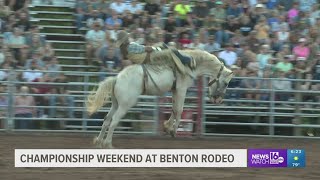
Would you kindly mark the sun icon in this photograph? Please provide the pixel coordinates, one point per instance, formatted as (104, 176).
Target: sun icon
(296, 158)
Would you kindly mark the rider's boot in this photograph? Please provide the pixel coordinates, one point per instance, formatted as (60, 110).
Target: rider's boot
(185, 59)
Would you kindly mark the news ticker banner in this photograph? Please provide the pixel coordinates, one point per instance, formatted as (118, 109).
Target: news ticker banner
(256, 158)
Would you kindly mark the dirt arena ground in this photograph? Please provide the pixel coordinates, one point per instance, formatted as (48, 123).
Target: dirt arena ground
(9, 142)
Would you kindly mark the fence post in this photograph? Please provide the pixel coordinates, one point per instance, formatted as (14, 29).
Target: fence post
(272, 105)
(297, 131)
(156, 124)
(84, 112)
(203, 105)
(11, 91)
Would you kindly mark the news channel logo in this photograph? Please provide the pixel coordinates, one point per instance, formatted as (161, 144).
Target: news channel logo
(276, 158)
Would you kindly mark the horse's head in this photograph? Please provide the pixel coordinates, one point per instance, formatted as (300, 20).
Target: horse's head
(218, 85)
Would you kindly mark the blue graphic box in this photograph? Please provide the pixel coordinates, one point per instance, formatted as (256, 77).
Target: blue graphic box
(296, 158)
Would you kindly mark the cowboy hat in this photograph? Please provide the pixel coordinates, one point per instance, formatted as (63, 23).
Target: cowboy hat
(121, 38)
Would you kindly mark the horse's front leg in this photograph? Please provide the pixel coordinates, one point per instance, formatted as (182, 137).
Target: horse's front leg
(169, 123)
(178, 102)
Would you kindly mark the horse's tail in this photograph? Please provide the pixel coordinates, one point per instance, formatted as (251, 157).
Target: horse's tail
(98, 98)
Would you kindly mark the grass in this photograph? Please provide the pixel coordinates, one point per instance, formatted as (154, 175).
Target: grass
(56, 9)
(67, 46)
(50, 23)
(57, 30)
(53, 16)
(71, 54)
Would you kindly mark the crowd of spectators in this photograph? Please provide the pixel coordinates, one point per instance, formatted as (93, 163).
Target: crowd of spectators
(255, 38)
(23, 48)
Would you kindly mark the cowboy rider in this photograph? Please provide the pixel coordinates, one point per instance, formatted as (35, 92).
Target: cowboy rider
(143, 54)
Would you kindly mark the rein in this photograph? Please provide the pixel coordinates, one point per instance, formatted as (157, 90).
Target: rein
(146, 72)
(218, 76)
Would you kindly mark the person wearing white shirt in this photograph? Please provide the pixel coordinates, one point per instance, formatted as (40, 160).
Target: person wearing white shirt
(32, 73)
(196, 44)
(228, 55)
(118, 6)
(94, 38)
(134, 7)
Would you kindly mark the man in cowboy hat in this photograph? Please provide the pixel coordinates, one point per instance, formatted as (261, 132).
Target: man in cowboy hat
(151, 54)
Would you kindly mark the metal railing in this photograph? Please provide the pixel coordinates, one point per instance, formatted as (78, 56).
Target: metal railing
(293, 117)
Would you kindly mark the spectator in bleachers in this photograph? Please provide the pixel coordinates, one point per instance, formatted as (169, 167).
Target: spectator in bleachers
(234, 9)
(234, 83)
(94, 18)
(293, 13)
(314, 14)
(184, 41)
(228, 55)
(151, 7)
(219, 12)
(66, 100)
(24, 99)
(3, 73)
(118, 6)
(112, 20)
(237, 38)
(53, 65)
(284, 65)
(211, 24)
(252, 85)
(257, 12)
(266, 84)
(10, 61)
(32, 73)
(19, 5)
(34, 30)
(212, 46)
(301, 50)
(265, 57)
(4, 10)
(42, 88)
(181, 10)
(283, 35)
(23, 56)
(200, 11)
(82, 12)
(196, 44)
(23, 22)
(47, 51)
(135, 7)
(306, 5)
(273, 21)
(283, 83)
(223, 35)
(128, 20)
(113, 31)
(104, 8)
(10, 24)
(95, 5)
(36, 43)
(262, 29)
(245, 25)
(16, 41)
(94, 38)
(36, 59)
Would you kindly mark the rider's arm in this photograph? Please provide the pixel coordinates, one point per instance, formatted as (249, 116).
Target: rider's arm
(138, 49)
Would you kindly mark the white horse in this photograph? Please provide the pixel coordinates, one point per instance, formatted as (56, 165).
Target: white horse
(125, 88)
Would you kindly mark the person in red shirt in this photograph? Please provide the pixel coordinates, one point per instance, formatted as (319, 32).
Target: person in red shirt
(42, 88)
(185, 40)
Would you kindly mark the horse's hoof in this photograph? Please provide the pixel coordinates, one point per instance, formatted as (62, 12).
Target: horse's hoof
(96, 141)
(173, 134)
